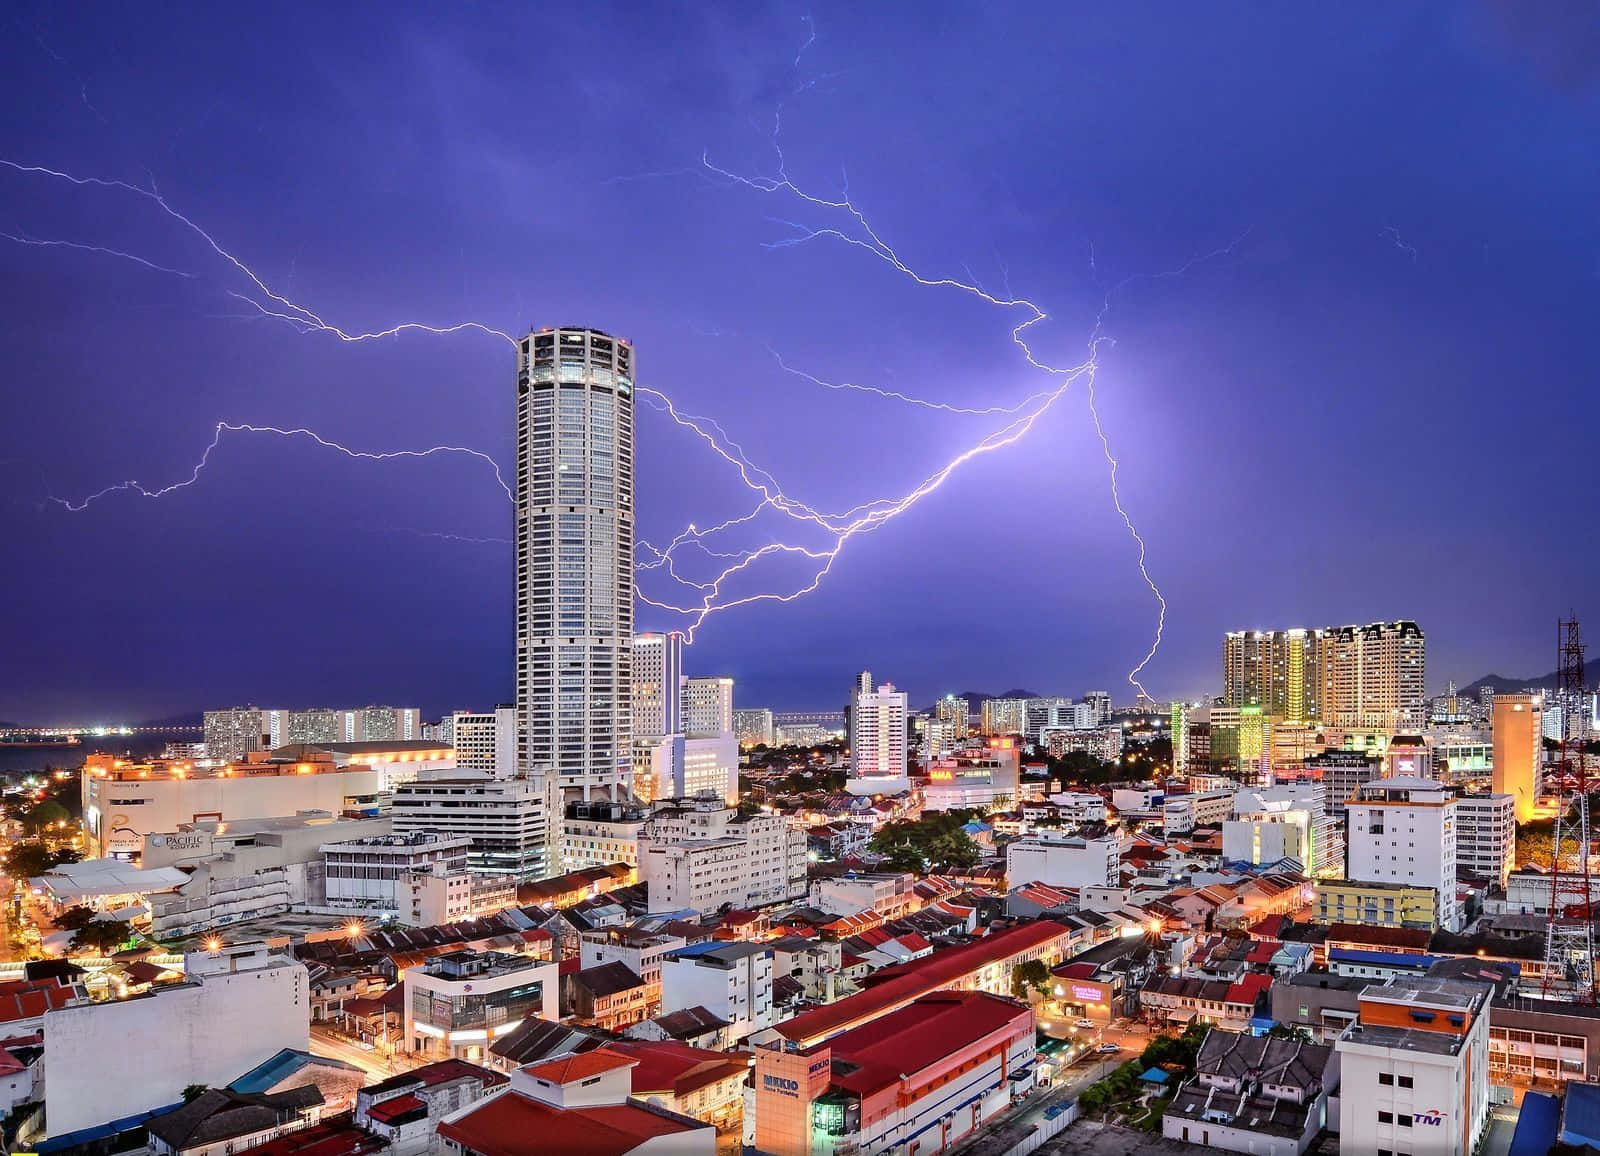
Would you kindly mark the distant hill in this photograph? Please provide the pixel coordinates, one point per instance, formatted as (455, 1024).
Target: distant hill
(1504, 685)
(192, 719)
(976, 698)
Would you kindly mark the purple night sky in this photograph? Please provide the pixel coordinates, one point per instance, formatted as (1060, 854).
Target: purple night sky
(1374, 399)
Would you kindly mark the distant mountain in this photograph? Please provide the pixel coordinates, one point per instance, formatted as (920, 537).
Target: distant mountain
(1504, 685)
(192, 719)
(976, 698)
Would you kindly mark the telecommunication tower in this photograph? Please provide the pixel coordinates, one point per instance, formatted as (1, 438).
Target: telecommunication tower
(1569, 935)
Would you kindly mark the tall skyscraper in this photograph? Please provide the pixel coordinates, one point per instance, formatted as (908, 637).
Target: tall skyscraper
(1100, 702)
(1004, 716)
(878, 742)
(1518, 750)
(486, 741)
(1375, 676)
(575, 561)
(1276, 670)
(657, 685)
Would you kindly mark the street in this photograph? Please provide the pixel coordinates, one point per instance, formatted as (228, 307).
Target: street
(338, 1047)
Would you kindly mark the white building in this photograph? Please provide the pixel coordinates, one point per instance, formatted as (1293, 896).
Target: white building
(1404, 831)
(938, 738)
(124, 802)
(456, 1005)
(1063, 860)
(887, 894)
(1286, 821)
(1036, 715)
(709, 769)
(1414, 1068)
(707, 707)
(878, 742)
(657, 701)
(244, 870)
(1079, 807)
(984, 777)
(233, 733)
(702, 855)
(511, 822)
(599, 834)
(731, 980)
(241, 1005)
(1486, 836)
(382, 875)
(1183, 813)
(1104, 743)
(486, 741)
(575, 565)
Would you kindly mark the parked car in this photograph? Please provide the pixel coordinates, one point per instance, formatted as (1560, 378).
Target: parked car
(1086, 1024)
(1108, 1049)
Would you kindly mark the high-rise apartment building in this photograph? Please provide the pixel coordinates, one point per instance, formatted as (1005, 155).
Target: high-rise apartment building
(1003, 716)
(1486, 836)
(753, 727)
(1276, 670)
(878, 742)
(1518, 750)
(233, 733)
(1036, 716)
(1100, 702)
(1374, 676)
(953, 709)
(707, 707)
(657, 685)
(574, 535)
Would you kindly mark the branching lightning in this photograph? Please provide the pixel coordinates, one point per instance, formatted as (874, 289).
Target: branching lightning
(223, 427)
(723, 586)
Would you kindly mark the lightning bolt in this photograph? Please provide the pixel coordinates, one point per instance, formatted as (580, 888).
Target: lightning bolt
(223, 427)
(839, 527)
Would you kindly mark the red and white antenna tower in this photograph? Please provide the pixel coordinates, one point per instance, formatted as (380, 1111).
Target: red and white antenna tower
(1569, 936)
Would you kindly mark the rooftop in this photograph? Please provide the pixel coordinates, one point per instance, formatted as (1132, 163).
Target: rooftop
(515, 1125)
(568, 1069)
(918, 978)
(895, 1048)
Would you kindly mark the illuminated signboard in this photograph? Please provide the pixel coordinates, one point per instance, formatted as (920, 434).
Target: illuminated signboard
(1085, 994)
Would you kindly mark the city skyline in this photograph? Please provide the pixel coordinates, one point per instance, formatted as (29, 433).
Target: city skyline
(697, 270)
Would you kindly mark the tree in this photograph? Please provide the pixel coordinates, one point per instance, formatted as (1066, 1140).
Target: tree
(45, 814)
(1290, 1032)
(103, 935)
(1032, 974)
(25, 860)
(193, 1092)
(75, 917)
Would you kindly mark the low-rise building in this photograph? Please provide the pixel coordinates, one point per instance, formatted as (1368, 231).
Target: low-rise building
(914, 1080)
(457, 1004)
(609, 996)
(1253, 1094)
(1377, 904)
(732, 980)
(582, 1103)
(704, 856)
(387, 875)
(704, 1085)
(237, 1006)
(1063, 860)
(889, 894)
(641, 950)
(1415, 1068)
(1183, 813)
(406, 1109)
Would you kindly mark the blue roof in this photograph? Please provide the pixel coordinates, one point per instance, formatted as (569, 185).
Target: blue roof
(268, 1075)
(1536, 1126)
(695, 949)
(1580, 1119)
(1155, 1076)
(100, 1131)
(1382, 958)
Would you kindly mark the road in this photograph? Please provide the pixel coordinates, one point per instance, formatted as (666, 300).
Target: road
(338, 1047)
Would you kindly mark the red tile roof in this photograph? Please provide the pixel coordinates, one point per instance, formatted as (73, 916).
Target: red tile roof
(918, 978)
(668, 1066)
(26, 999)
(579, 1067)
(386, 1110)
(512, 1124)
(331, 1138)
(898, 1046)
(1248, 989)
